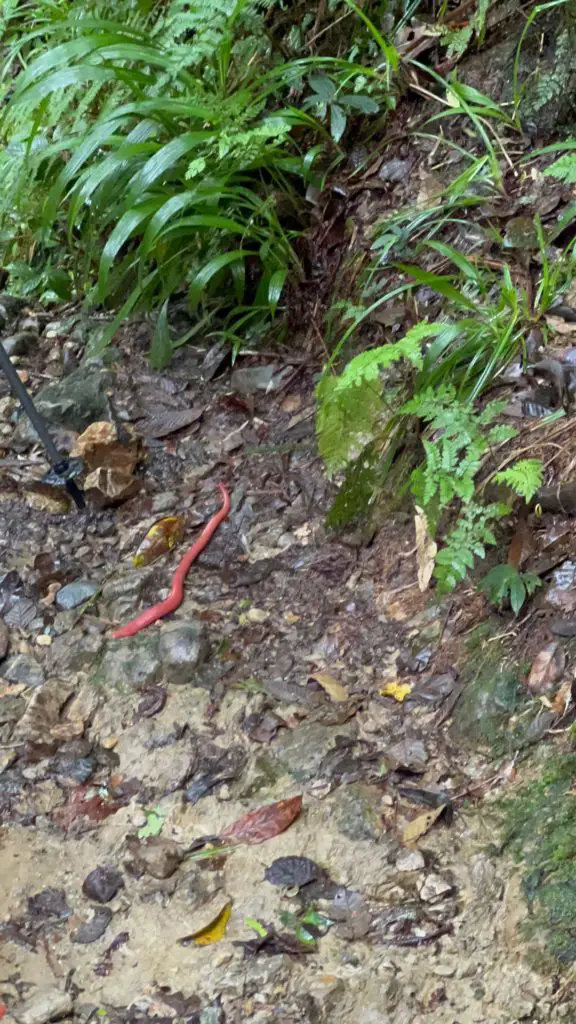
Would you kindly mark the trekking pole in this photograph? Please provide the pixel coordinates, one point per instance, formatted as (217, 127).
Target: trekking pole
(61, 465)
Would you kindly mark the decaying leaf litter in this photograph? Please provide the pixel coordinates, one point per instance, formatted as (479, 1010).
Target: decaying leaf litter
(283, 799)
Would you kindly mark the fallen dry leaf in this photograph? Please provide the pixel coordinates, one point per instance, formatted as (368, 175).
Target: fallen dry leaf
(562, 697)
(265, 822)
(426, 550)
(210, 933)
(419, 826)
(399, 691)
(168, 421)
(335, 690)
(547, 669)
(110, 460)
(161, 537)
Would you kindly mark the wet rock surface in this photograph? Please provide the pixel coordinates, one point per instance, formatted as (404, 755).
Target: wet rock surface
(223, 819)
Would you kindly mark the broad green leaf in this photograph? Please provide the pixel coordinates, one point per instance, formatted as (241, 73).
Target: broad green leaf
(365, 104)
(439, 283)
(164, 160)
(275, 286)
(337, 122)
(213, 267)
(469, 269)
(125, 227)
(161, 347)
(323, 87)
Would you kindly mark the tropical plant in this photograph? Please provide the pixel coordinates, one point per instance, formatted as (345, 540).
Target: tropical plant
(182, 167)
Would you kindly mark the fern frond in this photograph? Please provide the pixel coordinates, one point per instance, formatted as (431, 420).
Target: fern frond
(564, 169)
(524, 477)
(366, 366)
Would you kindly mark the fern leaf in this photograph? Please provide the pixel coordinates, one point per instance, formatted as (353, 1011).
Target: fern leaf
(524, 477)
(564, 169)
(366, 366)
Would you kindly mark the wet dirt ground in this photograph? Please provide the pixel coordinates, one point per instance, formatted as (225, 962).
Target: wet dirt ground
(136, 755)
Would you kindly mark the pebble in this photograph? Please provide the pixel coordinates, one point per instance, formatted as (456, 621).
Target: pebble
(74, 594)
(158, 857)
(444, 970)
(102, 884)
(164, 502)
(90, 931)
(410, 860)
(433, 887)
(23, 669)
(44, 1006)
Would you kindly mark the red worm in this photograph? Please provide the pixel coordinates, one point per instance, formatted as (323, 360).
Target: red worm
(174, 600)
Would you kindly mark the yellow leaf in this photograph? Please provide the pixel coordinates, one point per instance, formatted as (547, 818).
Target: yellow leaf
(335, 690)
(399, 691)
(419, 826)
(161, 537)
(212, 932)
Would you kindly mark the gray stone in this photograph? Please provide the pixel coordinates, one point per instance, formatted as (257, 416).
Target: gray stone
(546, 79)
(4, 639)
(122, 593)
(301, 751)
(74, 594)
(410, 860)
(20, 343)
(21, 668)
(248, 379)
(356, 811)
(410, 754)
(92, 930)
(50, 1004)
(434, 887)
(74, 653)
(131, 663)
(183, 648)
(394, 170)
(73, 402)
(11, 709)
(102, 884)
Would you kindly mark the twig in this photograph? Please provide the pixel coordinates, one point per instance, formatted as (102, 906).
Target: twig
(327, 28)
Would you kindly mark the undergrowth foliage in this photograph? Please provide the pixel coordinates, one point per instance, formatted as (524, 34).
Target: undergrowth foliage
(169, 152)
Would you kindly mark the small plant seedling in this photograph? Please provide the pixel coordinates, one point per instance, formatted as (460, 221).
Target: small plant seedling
(505, 582)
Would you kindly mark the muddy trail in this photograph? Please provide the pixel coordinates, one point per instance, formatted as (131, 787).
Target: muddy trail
(280, 802)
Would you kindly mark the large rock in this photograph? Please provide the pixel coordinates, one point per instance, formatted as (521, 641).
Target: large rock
(73, 653)
(356, 811)
(47, 1005)
(183, 648)
(301, 751)
(122, 594)
(130, 664)
(74, 402)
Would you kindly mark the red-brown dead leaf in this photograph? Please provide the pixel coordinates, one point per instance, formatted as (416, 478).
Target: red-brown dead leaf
(265, 822)
(94, 808)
